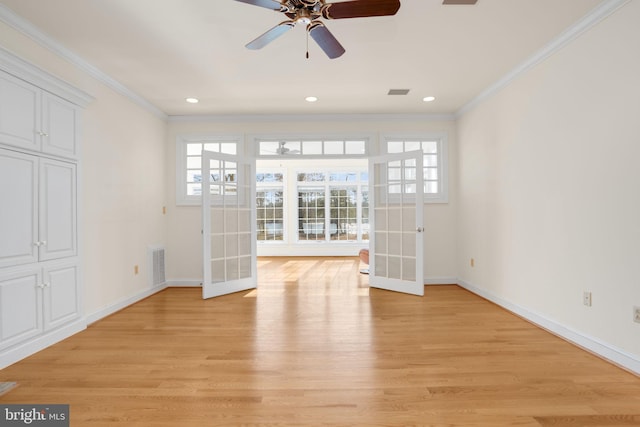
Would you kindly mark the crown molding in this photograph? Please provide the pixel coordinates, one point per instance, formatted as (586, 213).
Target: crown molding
(235, 118)
(605, 9)
(13, 64)
(22, 25)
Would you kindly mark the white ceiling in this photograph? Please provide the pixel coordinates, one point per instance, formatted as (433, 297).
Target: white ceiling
(167, 50)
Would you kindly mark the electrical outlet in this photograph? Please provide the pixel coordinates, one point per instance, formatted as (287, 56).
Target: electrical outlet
(636, 314)
(586, 298)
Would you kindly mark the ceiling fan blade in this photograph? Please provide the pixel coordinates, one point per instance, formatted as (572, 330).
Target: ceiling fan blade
(270, 35)
(327, 42)
(269, 4)
(360, 9)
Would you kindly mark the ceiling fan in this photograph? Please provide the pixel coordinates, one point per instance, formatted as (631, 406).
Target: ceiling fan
(311, 13)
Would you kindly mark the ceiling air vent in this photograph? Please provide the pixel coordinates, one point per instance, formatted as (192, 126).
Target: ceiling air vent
(398, 91)
(459, 1)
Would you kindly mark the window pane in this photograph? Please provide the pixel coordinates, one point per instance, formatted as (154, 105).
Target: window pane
(194, 189)
(194, 149)
(311, 222)
(269, 207)
(269, 148)
(431, 187)
(412, 146)
(395, 147)
(311, 177)
(194, 175)
(312, 147)
(269, 177)
(343, 176)
(430, 147)
(430, 160)
(228, 148)
(355, 147)
(430, 173)
(343, 214)
(194, 162)
(212, 146)
(333, 147)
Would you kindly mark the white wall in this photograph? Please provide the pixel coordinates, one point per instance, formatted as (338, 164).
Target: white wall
(121, 182)
(184, 263)
(549, 203)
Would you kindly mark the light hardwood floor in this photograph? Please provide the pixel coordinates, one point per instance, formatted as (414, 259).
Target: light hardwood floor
(313, 346)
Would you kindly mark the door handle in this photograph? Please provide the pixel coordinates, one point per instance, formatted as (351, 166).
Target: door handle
(420, 229)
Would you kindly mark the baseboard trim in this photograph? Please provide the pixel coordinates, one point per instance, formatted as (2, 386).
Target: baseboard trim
(114, 308)
(21, 351)
(441, 281)
(184, 283)
(593, 345)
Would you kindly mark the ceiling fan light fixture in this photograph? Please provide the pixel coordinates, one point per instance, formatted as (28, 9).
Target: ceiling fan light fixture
(303, 16)
(429, 98)
(311, 98)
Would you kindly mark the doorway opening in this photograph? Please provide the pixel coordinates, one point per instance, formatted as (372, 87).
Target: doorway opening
(312, 207)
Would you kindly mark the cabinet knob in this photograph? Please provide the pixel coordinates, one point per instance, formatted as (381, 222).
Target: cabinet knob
(43, 243)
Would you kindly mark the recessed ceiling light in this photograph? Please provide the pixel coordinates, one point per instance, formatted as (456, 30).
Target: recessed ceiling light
(311, 99)
(192, 100)
(429, 98)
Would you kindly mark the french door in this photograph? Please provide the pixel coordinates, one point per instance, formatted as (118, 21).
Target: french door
(228, 224)
(396, 241)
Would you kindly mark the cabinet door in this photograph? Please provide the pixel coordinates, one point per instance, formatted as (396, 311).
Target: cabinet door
(18, 208)
(19, 112)
(57, 217)
(59, 126)
(20, 305)
(61, 298)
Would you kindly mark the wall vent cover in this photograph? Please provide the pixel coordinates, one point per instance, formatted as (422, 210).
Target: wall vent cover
(156, 265)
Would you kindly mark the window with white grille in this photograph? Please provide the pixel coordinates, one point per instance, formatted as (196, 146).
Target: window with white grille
(435, 157)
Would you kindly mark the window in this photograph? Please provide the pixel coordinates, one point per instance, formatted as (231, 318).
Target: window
(434, 148)
(311, 213)
(356, 147)
(189, 164)
(333, 206)
(270, 205)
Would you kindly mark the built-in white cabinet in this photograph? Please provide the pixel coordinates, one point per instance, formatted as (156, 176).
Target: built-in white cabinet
(40, 280)
(38, 216)
(37, 298)
(34, 119)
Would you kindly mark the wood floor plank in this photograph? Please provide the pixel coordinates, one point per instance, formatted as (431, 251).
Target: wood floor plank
(313, 346)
